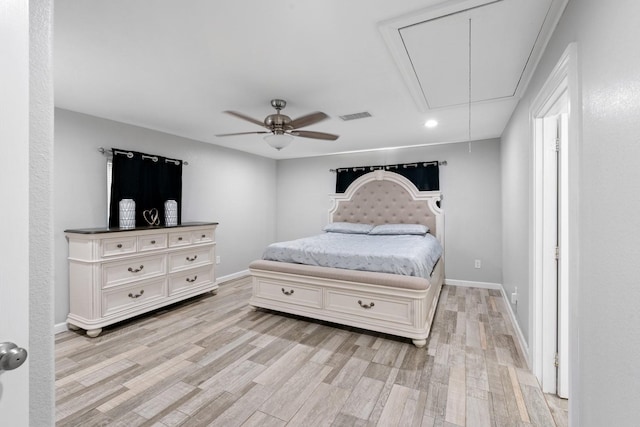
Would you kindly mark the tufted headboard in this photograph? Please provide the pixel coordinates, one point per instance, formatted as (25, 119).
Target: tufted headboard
(383, 197)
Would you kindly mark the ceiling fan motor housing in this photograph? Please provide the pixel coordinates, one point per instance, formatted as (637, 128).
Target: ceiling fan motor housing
(278, 122)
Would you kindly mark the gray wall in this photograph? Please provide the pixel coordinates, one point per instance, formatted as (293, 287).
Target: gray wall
(470, 184)
(605, 368)
(236, 189)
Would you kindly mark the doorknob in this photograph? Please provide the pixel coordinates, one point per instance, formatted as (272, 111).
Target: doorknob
(11, 356)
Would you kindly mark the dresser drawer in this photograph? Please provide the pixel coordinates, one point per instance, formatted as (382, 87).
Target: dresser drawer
(179, 238)
(388, 309)
(202, 236)
(190, 258)
(189, 279)
(116, 273)
(290, 294)
(128, 297)
(119, 246)
(151, 242)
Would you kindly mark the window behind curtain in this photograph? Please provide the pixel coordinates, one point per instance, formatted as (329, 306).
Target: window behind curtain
(424, 175)
(148, 179)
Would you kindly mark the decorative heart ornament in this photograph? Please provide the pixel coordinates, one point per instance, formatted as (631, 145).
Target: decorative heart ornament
(152, 216)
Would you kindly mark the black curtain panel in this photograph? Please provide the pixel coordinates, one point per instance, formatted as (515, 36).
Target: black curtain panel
(424, 175)
(149, 180)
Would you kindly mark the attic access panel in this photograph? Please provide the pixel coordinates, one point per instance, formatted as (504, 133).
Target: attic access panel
(503, 37)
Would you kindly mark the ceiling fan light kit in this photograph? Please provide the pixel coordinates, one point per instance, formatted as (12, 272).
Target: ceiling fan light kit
(278, 140)
(281, 129)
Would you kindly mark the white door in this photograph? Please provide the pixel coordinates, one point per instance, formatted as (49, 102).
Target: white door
(14, 204)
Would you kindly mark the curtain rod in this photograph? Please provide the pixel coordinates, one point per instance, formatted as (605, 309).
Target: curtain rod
(109, 152)
(442, 163)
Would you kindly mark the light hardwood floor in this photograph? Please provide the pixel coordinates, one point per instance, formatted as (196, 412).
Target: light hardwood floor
(214, 361)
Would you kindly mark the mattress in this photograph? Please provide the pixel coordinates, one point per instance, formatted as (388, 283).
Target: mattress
(409, 255)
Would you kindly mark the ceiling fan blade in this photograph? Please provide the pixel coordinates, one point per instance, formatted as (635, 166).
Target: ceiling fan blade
(314, 135)
(308, 120)
(247, 118)
(243, 133)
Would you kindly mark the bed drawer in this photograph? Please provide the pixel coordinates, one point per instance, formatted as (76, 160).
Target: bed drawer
(290, 294)
(388, 309)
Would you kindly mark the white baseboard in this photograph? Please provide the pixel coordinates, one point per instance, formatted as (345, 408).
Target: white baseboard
(512, 315)
(470, 284)
(233, 276)
(59, 328)
(516, 326)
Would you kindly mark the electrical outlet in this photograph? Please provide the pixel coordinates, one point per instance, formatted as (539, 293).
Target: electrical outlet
(478, 264)
(514, 296)
(218, 259)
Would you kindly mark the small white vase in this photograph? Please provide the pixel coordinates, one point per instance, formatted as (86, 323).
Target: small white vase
(171, 213)
(127, 213)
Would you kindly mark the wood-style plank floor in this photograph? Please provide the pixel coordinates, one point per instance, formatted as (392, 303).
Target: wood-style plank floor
(213, 361)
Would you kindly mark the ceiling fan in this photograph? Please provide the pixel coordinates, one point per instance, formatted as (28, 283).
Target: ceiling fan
(281, 128)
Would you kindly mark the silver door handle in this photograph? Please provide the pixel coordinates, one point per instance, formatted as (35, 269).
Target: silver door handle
(11, 356)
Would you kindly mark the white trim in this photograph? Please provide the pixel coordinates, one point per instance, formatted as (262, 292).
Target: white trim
(229, 277)
(472, 284)
(514, 321)
(563, 81)
(59, 328)
(516, 326)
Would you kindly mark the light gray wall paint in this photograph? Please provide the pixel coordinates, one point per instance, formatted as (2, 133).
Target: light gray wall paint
(605, 373)
(470, 184)
(236, 189)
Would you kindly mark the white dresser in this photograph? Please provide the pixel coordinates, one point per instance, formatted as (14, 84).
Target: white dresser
(117, 274)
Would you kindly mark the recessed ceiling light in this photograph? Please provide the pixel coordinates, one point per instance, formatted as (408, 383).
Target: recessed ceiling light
(431, 123)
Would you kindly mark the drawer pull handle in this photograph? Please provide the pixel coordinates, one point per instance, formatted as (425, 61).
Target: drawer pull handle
(366, 306)
(192, 259)
(136, 270)
(192, 280)
(119, 245)
(153, 242)
(287, 292)
(137, 295)
(203, 236)
(179, 238)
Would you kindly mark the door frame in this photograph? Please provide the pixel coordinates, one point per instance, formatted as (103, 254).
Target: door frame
(562, 85)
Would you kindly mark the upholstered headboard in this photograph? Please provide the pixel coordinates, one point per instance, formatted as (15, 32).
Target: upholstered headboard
(383, 197)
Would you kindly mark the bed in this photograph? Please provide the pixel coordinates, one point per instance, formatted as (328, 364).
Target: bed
(397, 304)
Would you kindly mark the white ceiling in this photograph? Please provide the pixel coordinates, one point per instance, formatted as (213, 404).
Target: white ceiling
(175, 66)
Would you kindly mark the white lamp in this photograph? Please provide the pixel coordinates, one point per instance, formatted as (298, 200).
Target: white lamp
(278, 140)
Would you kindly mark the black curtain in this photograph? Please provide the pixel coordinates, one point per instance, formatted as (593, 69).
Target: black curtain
(149, 180)
(424, 175)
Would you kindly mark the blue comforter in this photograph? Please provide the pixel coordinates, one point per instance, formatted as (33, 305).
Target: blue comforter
(410, 255)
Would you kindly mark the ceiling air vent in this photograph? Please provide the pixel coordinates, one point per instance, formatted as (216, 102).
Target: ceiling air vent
(355, 116)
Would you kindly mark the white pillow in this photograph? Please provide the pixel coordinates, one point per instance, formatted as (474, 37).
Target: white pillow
(348, 227)
(399, 229)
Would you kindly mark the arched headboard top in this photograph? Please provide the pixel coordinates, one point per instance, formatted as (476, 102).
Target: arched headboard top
(383, 197)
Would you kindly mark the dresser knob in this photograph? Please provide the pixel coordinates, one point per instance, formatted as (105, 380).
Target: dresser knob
(287, 293)
(192, 280)
(192, 259)
(204, 235)
(179, 238)
(119, 245)
(153, 242)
